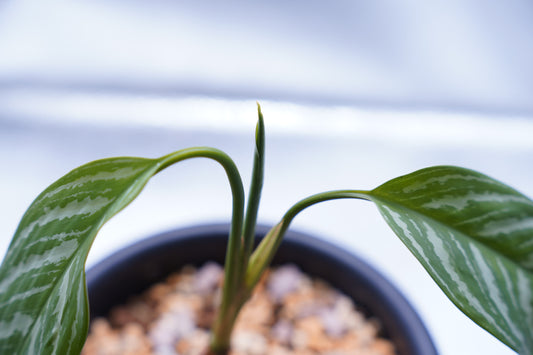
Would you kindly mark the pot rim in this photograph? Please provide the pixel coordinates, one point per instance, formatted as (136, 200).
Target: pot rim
(398, 310)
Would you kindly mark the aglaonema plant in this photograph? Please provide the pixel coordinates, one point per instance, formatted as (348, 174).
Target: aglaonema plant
(473, 234)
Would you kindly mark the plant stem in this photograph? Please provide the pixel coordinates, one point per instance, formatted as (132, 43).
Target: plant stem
(230, 307)
(322, 197)
(223, 326)
(263, 254)
(232, 291)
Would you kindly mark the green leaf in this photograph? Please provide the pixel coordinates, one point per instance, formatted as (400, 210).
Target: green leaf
(43, 307)
(256, 186)
(43, 297)
(474, 235)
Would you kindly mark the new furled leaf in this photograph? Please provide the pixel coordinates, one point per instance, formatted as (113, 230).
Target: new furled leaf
(474, 235)
(43, 298)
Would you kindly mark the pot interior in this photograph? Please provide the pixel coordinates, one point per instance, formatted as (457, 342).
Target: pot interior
(135, 268)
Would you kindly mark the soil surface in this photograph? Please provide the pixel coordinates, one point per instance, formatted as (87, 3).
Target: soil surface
(289, 313)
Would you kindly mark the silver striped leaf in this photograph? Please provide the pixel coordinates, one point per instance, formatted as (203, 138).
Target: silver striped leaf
(43, 299)
(474, 235)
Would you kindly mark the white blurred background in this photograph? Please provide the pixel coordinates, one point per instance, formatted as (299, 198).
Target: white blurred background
(354, 93)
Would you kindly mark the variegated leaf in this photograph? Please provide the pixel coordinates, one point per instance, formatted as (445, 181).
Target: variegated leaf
(43, 298)
(474, 235)
(43, 306)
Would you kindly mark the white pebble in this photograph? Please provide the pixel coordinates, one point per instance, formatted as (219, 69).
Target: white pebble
(284, 280)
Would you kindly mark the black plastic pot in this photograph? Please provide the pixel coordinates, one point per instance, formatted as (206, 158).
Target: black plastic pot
(135, 268)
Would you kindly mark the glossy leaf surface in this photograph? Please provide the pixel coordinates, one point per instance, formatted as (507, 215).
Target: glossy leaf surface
(43, 303)
(474, 235)
(43, 298)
